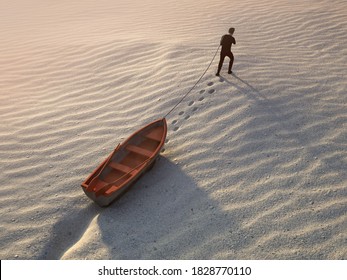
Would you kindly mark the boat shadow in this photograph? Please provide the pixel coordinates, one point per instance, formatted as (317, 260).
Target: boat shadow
(67, 232)
(165, 215)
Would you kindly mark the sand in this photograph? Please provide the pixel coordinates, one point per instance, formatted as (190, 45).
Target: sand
(255, 162)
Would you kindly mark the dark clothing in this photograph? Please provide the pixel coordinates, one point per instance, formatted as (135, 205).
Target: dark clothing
(226, 42)
(221, 60)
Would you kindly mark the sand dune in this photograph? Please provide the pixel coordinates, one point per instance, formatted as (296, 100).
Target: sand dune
(255, 163)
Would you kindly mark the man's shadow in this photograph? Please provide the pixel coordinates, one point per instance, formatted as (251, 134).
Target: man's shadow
(243, 86)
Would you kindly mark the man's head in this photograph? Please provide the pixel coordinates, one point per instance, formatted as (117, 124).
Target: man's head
(231, 30)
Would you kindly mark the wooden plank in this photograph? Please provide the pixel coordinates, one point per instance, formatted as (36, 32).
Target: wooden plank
(155, 135)
(121, 167)
(139, 150)
(99, 185)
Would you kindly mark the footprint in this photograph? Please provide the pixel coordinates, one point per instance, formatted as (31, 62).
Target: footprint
(202, 91)
(210, 84)
(211, 91)
(190, 103)
(195, 108)
(167, 141)
(181, 113)
(187, 117)
(221, 79)
(201, 99)
(176, 128)
(174, 121)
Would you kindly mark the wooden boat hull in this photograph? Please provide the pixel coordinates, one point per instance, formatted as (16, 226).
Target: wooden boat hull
(126, 164)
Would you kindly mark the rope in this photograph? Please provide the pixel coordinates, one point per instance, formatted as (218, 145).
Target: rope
(203, 74)
(107, 186)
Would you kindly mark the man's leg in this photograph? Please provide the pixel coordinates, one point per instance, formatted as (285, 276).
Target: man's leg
(231, 62)
(221, 60)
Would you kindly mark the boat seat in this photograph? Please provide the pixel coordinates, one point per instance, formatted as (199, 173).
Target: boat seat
(140, 151)
(121, 167)
(99, 184)
(155, 135)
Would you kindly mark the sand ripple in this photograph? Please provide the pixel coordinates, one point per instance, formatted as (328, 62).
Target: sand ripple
(255, 162)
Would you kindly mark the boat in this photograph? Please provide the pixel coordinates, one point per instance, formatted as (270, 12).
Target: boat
(128, 161)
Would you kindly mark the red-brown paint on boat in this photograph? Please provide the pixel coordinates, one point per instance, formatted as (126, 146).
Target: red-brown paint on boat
(126, 163)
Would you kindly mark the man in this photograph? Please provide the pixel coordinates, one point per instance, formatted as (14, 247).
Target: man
(226, 42)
